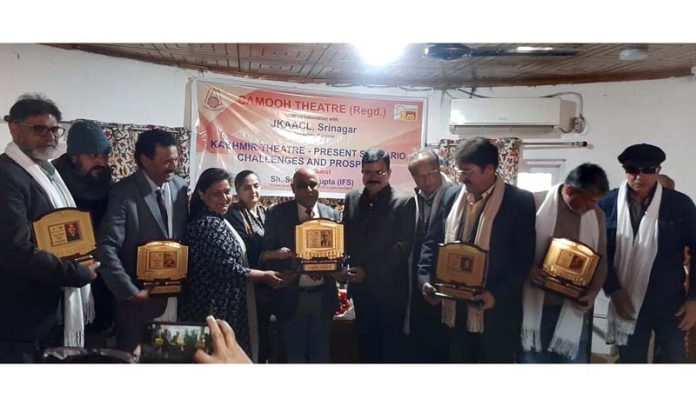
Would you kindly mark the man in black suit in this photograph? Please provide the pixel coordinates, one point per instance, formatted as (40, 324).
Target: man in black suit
(304, 306)
(427, 336)
(499, 218)
(379, 223)
(32, 281)
(151, 204)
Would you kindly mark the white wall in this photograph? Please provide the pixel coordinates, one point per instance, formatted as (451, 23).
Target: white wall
(110, 89)
(659, 112)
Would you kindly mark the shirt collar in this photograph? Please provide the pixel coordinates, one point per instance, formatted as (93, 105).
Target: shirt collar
(315, 209)
(154, 187)
(471, 200)
(427, 197)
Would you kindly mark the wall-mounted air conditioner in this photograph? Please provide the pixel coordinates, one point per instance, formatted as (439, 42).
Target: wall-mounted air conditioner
(499, 117)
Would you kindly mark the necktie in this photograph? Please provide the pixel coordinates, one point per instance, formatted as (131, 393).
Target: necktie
(162, 208)
(310, 213)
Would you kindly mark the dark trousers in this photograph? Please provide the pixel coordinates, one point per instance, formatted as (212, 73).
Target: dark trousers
(97, 331)
(499, 343)
(307, 333)
(263, 318)
(659, 318)
(379, 330)
(12, 351)
(131, 321)
(428, 341)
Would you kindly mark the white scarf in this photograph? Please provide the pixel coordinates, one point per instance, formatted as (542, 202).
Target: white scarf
(633, 260)
(456, 217)
(78, 303)
(566, 336)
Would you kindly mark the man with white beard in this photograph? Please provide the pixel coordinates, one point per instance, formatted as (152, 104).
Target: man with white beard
(32, 281)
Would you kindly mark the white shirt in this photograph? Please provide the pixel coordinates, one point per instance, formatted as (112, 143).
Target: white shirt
(167, 194)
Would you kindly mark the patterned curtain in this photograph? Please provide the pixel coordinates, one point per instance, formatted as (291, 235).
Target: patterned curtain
(123, 138)
(508, 150)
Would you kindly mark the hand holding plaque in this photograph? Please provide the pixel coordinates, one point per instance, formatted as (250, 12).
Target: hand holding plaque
(162, 266)
(569, 267)
(68, 234)
(461, 271)
(319, 246)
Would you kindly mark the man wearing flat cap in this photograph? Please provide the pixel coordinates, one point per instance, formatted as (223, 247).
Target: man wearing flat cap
(647, 229)
(85, 170)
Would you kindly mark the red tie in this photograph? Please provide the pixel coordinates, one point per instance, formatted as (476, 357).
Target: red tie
(310, 213)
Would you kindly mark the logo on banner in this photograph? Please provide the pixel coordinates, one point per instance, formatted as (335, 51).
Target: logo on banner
(213, 100)
(403, 112)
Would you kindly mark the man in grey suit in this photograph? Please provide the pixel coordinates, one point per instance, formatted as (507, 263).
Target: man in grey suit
(151, 204)
(427, 337)
(305, 305)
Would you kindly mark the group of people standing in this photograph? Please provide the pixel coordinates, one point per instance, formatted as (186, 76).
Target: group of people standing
(243, 268)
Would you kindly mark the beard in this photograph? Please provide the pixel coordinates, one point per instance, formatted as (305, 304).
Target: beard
(98, 175)
(41, 153)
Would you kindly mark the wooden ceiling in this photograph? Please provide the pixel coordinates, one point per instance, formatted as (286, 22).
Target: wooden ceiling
(340, 64)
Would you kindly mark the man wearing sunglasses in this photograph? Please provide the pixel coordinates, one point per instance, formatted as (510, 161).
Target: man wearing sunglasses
(33, 282)
(647, 229)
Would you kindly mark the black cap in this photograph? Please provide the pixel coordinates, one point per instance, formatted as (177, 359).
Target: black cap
(641, 155)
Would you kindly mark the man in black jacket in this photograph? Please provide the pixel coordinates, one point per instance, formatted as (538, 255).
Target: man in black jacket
(379, 225)
(85, 170)
(32, 280)
(499, 218)
(647, 229)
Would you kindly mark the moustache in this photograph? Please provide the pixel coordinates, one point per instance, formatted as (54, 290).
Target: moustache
(374, 182)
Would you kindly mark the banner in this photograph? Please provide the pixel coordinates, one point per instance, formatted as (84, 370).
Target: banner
(274, 132)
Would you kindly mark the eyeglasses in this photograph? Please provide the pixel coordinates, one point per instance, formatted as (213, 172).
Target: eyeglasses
(633, 170)
(374, 172)
(42, 130)
(463, 172)
(304, 186)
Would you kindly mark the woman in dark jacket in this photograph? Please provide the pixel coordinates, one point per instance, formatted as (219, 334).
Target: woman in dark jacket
(218, 272)
(248, 217)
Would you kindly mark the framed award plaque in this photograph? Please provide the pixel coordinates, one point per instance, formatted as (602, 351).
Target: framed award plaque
(162, 266)
(66, 233)
(569, 267)
(461, 271)
(319, 246)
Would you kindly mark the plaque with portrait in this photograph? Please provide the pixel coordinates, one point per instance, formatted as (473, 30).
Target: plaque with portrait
(319, 246)
(66, 233)
(569, 267)
(461, 271)
(162, 266)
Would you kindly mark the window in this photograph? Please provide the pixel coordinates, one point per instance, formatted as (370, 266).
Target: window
(540, 174)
